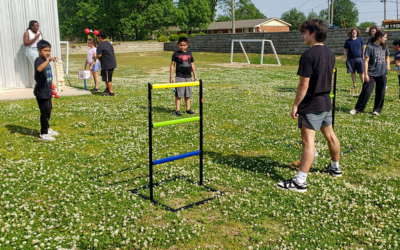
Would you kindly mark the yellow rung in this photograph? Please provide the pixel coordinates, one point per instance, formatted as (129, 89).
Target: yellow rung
(175, 85)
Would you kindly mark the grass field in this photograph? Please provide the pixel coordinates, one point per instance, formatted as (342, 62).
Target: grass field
(73, 193)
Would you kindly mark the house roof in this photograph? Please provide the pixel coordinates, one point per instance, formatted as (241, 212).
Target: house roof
(244, 23)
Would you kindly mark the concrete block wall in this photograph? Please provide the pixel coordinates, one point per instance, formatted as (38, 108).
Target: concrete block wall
(284, 42)
(121, 47)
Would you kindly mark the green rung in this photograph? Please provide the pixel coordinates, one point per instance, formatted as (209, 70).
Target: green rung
(166, 123)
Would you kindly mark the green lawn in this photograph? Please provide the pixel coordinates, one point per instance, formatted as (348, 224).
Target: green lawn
(73, 193)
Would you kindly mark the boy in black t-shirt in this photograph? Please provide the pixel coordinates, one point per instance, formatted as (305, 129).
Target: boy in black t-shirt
(43, 89)
(105, 53)
(183, 60)
(313, 104)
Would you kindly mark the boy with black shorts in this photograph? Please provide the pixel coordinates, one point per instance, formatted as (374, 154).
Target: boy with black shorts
(183, 60)
(43, 89)
(105, 52)
(313, 104)
(354, 54)
(396, 62)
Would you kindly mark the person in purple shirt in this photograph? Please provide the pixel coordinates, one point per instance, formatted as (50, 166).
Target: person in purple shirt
(354, 55)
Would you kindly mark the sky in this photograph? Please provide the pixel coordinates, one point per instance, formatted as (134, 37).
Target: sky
(369, 10)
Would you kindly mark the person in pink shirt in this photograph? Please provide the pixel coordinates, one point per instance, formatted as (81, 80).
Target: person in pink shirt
(94, 66)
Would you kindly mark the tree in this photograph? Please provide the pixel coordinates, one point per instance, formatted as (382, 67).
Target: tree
(365, 25)
(312, 15)
(213, 5)
(244, 10)
(323, 14)
(193, 14)
(345, 10)
(294, 17)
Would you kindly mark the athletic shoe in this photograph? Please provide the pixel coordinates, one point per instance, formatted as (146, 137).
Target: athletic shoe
(112, 94)
(46, 137)
(52, 132)
(94, 90)
(336, 172)
(190, 112)
(375, 113)
(106, 91)
(353, 112)
(292, 184)
(178, 113)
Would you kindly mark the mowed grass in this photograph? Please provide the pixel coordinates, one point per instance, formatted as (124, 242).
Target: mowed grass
(74, 193)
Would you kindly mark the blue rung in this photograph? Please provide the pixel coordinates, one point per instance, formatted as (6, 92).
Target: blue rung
(176, 157)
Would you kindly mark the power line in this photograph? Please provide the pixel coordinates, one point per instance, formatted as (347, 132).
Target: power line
(303, 4)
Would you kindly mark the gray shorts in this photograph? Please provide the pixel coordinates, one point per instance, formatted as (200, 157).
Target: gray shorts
(183, 91)
(316, 121)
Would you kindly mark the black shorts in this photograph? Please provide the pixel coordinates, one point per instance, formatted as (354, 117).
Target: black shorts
(106, 75)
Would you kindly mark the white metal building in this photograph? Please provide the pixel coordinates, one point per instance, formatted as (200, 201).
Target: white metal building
(15, 69)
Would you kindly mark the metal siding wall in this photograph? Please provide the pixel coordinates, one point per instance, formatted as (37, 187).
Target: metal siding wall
(15, 69)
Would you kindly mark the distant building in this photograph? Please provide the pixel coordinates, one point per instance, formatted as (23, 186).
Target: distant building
(244, 26)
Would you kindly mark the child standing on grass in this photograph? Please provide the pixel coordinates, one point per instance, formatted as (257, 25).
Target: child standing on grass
(396, 62)
(183, 61)
(94, 65)
(43, 88)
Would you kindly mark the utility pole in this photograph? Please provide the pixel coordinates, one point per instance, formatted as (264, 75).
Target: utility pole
(397, 9)
(332, 11)
(233, 16)
(329, 11)
(384, 9)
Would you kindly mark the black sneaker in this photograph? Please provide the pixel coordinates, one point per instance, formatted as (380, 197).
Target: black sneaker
(178, 113)
(106, 91)
(112, 94)
(190, 112)
(94, 90)
(106, 94)
(292, 184)
(336, 172)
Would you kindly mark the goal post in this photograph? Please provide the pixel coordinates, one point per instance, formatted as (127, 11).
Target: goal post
(240, 41)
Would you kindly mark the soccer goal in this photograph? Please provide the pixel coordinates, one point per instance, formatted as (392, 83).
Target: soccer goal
(241, 41)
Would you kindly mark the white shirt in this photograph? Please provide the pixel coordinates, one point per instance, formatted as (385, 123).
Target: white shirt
(32, 36)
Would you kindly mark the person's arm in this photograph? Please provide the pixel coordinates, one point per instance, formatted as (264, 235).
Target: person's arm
(300, 94)
(46, 63)
(93, 62)
(345, 53)
(366, 76)
(194, 71)
(28, 42)
(171, 71)
(86, 63)
(388, 62)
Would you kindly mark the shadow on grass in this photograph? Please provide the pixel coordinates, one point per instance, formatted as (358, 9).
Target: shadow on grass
(14, 129)
(261, 164)
(286, 89)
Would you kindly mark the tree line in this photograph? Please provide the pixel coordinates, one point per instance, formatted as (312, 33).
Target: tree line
(126, 20)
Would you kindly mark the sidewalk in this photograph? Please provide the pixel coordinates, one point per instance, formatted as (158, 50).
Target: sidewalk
(27, 93)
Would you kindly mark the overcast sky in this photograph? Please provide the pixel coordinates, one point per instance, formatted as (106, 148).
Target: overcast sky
(369, 10)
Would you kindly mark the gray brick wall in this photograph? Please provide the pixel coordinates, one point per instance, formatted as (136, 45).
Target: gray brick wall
(123, 47)
(284, 42)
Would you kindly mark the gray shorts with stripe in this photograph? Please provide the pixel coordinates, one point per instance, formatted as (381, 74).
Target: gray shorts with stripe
(183, 91)
(315, 121)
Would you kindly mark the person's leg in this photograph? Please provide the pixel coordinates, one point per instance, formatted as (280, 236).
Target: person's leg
(44, 122)
(333, 142)
(177, 104)
(354, 79)
(49, 108)
(308, 154)
(365, 94)
(398, 76)
(110, 87)
(380, 90)
(96, 79)
(361, 78)
(187, 101)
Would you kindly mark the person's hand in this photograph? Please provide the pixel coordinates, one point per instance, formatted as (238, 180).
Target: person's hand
(366, 78)
(294, 114)
(195, 78)
(38, 35)
(388, 67)
(90, 68)
(53, 59)
(171, 80)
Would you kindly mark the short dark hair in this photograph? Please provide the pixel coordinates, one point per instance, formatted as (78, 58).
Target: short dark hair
(102, 34)
(350, 34)
(396, 42)
(43, 44)
(373, 27)
(31, 23)
(315, 25)
(182, 39)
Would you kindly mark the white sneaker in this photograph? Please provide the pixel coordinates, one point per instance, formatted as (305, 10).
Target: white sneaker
(46, 137)
(375, 113)
(353, 112)
(52, 132)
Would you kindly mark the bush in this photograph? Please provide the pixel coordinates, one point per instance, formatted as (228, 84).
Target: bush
(163, 39)
(173, 37)
(182, 35)
(202, 33)
(192, 35)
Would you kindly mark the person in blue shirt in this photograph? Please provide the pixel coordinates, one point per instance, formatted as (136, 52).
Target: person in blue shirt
(354, 55)
(396, 61)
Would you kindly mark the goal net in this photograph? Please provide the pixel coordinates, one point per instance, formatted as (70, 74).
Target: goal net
(262, 41)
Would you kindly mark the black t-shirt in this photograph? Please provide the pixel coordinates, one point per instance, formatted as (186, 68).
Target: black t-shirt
(107, 59)
(183, 61)
(44, 80)
(317, 63)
